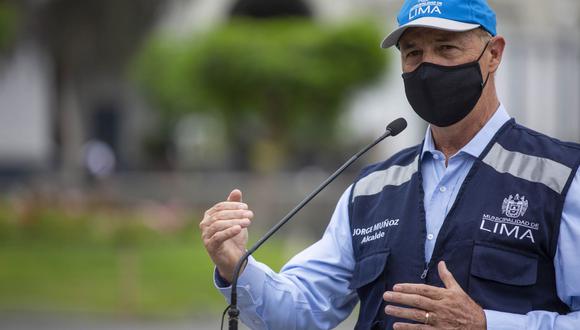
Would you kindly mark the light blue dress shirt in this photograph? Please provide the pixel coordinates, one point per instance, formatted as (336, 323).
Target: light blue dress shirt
(311, 291)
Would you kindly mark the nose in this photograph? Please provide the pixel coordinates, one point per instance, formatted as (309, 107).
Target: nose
(428, 56)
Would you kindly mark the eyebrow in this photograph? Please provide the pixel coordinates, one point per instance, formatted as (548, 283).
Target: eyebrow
(445, 39)
(407, 44)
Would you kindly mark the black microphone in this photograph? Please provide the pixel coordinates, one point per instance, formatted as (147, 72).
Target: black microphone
(394, 128)
(397, 126)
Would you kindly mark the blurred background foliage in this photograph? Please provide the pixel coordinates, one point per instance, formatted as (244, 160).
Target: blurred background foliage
(278, 85)
(99, 258)
(9, 17)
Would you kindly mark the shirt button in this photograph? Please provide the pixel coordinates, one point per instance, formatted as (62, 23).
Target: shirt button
(430, 236)
(443, 189)
(256, 321)
(436, 156)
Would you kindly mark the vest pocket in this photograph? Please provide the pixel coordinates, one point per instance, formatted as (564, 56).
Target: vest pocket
(501, 279)
(368, 268)
(370, 283)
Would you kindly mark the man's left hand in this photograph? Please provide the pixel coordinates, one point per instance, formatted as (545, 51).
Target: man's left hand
(436, 308)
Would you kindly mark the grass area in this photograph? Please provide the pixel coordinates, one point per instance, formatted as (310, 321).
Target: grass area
(161, 280)
(60, 264)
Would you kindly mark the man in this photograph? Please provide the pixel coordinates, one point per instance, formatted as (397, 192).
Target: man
(475, 228)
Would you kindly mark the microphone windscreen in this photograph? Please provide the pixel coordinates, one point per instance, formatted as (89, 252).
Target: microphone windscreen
(397, 126)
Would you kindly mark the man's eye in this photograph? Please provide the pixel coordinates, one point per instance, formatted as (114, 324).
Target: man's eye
(448, 47)
(413, 53)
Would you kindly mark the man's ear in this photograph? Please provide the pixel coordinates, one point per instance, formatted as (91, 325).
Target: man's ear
(496, 48)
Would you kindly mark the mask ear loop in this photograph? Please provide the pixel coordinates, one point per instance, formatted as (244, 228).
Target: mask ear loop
(483, 84)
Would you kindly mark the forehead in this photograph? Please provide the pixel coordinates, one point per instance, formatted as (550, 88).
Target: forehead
(416, 35)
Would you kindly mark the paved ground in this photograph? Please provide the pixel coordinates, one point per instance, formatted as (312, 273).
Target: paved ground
(27, 321)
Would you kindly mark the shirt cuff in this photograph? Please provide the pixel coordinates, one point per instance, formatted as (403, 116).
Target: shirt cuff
(219, 281)
(504, 321)
(250, 283)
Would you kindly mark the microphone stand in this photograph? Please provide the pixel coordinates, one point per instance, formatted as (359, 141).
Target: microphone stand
(233, 313)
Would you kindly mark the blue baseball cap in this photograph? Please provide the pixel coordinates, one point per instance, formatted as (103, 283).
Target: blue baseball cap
(450, 15)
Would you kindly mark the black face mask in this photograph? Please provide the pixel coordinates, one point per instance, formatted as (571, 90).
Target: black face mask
(444, 95)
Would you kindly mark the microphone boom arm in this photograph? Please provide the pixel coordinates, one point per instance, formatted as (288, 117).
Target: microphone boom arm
(233, 313)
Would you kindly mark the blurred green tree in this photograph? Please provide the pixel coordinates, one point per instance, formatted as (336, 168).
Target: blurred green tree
(277, 84)
(9, 15)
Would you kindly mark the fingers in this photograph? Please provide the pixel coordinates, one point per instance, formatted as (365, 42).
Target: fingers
(412, 300)
(220, 220)
(234, 202)
(223, 225)
(446, 276)
(408, 326)
(231, 214)
(220, 237)
(406, 313)
(235, 214)
(225, 220)
(235, 196)
(424, 290)
(222, 206)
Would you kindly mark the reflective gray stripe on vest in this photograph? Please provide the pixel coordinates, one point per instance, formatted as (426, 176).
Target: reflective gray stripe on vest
(393, 176)
(531, 168)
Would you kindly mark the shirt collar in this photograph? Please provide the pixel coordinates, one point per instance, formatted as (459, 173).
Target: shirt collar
(479, 141)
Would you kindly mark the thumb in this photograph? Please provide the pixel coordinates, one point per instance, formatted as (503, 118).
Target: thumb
(446, 276)
(235, 196)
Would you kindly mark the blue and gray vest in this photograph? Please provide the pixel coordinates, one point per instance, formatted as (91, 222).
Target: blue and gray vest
(498, 239)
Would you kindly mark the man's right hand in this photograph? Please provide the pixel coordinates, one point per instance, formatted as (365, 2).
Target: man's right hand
(225, 234)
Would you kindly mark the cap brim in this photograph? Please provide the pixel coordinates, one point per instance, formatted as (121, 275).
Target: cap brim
(428, 22)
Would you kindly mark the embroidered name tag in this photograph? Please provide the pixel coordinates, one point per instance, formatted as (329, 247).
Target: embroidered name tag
(375, 231)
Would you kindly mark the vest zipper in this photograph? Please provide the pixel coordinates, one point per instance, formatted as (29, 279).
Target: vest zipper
(424, 274)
